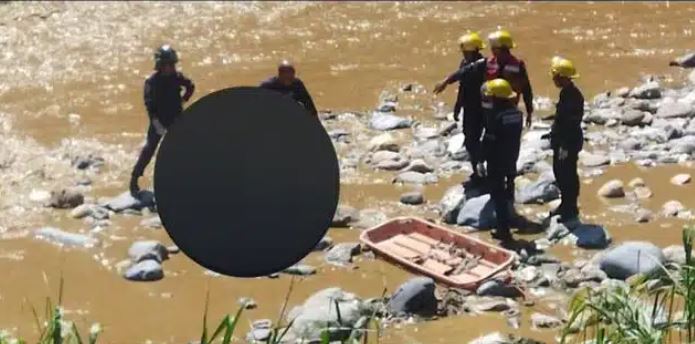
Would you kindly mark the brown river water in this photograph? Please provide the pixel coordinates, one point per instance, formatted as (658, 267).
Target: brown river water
(90, 59)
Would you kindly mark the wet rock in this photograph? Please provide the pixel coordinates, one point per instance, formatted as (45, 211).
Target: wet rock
(643, 215)
(341, 254)
(591, 236)
(300, 270)
(675, 254)
(594, 160)
(412, 198)
(612, 189)
(643, 192)
(325, 243)
(125, 201)
(498, 289)
(631, 258)
(542, 321)
(418, 165)
(343, 216)
(66, 199)
(320, 312)
(493, 305)
(145, 271)
(685, 61)
(384, 121)
(247, 303)
(648, 90)
(369, 218)
(383, 142)
(416, 178)
(637, 182)
(451, 203)
(416, 296)
(632, 117)
(478, 212)
(63, 238)
(148, 250)
(681, 179)
(81, 211)
(541, 191)
(675, 110)
(672, 208)
(387, 106)
(85, 162)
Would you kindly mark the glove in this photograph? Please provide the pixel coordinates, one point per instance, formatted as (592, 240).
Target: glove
(158, 127)
(562, 153)
(480, 170)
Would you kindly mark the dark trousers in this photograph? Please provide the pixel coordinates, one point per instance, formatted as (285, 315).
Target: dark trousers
(472, 131)
(147, 152)
(565, 171)
(501, 173)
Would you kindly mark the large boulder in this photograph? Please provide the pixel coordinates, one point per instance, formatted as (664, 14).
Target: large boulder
(631, 258)
(541, 191)
(320, 312)
(478, 212)
(451, 203)
(385, 121)
(416, 296)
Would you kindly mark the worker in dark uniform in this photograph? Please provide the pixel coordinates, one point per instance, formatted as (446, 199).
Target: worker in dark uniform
(501, 65)
(164, 104)
(501, 143)
(288, 84)
(566, 137)
(469, 99)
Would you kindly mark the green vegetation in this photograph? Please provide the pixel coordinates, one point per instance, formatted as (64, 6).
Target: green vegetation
(652, 309)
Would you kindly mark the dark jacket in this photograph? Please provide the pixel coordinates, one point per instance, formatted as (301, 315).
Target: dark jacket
(469, 97)
(502, 139)
(296, 90)
(163, 98)
(566, 130)
(479, 69)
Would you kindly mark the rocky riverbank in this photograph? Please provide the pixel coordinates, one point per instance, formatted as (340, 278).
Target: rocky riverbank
(648, 125)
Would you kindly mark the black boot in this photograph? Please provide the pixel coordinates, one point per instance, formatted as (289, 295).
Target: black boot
(502, 235)
(134, 188)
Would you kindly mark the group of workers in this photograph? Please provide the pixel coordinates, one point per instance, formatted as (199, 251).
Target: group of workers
(489, 92)
(490, 89)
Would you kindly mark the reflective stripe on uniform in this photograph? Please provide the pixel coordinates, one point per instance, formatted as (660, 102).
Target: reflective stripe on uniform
(512, 68)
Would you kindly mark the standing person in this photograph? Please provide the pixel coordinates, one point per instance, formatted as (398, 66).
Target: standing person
(507, 66)
(566, 137)
(501, 143)
(164, 104)
(469, 98)
(288, 84)
(502, 65)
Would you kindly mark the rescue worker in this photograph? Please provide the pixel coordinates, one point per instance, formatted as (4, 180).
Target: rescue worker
(288, 84)
(164, 104)
(501, 143)
(469, 99)
(566, 137)
(501, 65)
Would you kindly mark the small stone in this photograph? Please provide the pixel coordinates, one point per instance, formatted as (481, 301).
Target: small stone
(681, 179)
(412, 198)
(300, 270)
(324, 243)
(152, 222)
(81, 211)
(637, 182)
(595, 160)
(148, 250)
(672, 208)
(493, 305)
(675, 254)
(146, 270)
(418, 165)
(342, 253)
(542, 321)
(415, 296)
(643, 215)
(247, 303)
(344, 215)
(66, 199)
(648, 90)
(416, 178)
(612, 189)
(632, 117)
(643, 192)
(497, 288)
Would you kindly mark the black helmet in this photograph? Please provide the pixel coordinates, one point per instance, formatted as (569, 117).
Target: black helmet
(166, 54)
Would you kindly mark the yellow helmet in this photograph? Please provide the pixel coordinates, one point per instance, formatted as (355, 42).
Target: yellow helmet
(471, 42)
(501, 39)
(498, 88)
(563, 67)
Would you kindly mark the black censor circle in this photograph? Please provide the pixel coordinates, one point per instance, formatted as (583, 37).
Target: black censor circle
(246, 182)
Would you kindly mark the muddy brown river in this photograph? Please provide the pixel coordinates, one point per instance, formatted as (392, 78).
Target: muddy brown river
(76, 70)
